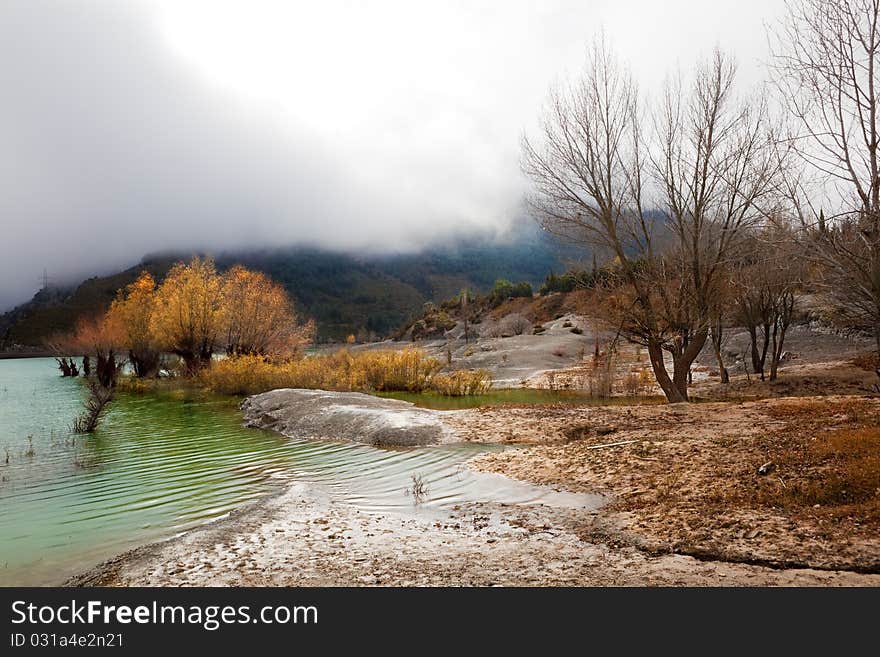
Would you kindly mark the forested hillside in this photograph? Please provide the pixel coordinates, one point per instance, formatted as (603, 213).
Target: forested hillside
(344, 293)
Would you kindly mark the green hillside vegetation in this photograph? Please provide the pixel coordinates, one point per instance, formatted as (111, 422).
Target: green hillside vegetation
(54, 310)
(369, 296)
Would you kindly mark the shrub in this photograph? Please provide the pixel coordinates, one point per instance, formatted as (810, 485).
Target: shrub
(514, 324)
(408, 370)
(96, 405)
(636, 382)
(575, 279)
(462, 382)
(504, 290)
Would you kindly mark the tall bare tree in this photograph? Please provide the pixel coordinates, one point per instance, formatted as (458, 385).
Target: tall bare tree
(826, 63)
(594, 170)
(765, 284)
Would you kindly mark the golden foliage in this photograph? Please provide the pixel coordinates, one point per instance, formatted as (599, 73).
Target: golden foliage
(97, 336)
(132, 310)
(381, 371)
(259, 317)
(462, 382)
(189, 311)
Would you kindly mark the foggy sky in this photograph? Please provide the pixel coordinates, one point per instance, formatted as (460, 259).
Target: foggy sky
(131, 127)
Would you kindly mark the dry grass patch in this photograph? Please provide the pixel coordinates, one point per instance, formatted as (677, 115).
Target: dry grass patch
(690, 482)
(408, 370)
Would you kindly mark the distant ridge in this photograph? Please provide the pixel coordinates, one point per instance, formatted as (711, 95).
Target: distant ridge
(344, 293)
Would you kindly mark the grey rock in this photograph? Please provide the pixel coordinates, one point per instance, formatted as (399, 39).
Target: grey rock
(354, 416)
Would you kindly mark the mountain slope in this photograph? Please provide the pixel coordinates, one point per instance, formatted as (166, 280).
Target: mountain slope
(342, 292)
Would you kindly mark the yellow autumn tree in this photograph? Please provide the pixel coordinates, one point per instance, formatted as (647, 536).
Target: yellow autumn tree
(259, 316)
(188, 312)
(132, 311)
(101, 337)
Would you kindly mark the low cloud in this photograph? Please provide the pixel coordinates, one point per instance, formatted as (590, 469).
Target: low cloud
(135, 127)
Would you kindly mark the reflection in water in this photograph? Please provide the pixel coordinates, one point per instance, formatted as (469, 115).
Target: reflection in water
(160, 465)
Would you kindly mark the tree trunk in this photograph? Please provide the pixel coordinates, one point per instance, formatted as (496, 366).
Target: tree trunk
(759, 357)
(682, 362)
(190, 360)
(778, 343)
(672, 392)
(717, 334)
(145, 362)
(106, 369)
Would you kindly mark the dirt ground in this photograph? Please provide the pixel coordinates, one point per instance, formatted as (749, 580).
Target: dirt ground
(688, 478)
(301, 539)
(723, 493)
(754, 484)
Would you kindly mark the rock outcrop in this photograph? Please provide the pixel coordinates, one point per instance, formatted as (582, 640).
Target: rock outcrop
(353, 416)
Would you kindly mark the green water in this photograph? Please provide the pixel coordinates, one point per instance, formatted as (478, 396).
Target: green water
(511, 396)
(159, 465)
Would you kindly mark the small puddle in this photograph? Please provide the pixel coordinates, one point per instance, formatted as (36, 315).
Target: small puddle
(381, 480)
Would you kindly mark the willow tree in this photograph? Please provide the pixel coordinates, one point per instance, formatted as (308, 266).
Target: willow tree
(827, 67)
(188, 312)
(668, 210)
(259, 318)
(102, 337)
(132, 311)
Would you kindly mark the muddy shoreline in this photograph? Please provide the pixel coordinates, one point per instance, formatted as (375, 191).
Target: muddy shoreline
(653, 531)
(300, 538)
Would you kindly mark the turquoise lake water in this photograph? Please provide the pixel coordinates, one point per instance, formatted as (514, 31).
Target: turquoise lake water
(162, 464)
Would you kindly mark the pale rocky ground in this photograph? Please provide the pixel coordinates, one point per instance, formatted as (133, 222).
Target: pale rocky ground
(361, 418)
(560, 359)
(512, 361)
(300, 538)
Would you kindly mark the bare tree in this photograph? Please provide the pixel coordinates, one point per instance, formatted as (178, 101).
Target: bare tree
(711, 166)
(765, 284)
(719, 316)
(826, 59)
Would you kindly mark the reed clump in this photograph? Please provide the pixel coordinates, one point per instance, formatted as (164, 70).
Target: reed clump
(462, 383)
(408, 370)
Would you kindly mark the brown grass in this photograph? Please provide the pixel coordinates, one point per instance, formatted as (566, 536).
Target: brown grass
(869, 362)
(408, 370)
(835, 473)
(826, 461)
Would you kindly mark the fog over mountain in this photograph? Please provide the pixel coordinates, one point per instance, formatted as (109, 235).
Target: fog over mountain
(135, 127)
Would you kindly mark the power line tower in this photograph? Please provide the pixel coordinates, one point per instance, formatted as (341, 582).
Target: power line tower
(45, 278)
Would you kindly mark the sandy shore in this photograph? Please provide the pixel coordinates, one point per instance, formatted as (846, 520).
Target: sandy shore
(303, 538)
(676, 514)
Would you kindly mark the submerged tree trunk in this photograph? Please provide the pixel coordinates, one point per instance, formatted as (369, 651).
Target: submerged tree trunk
(68, 367)
(107, 369)
(144, 362)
